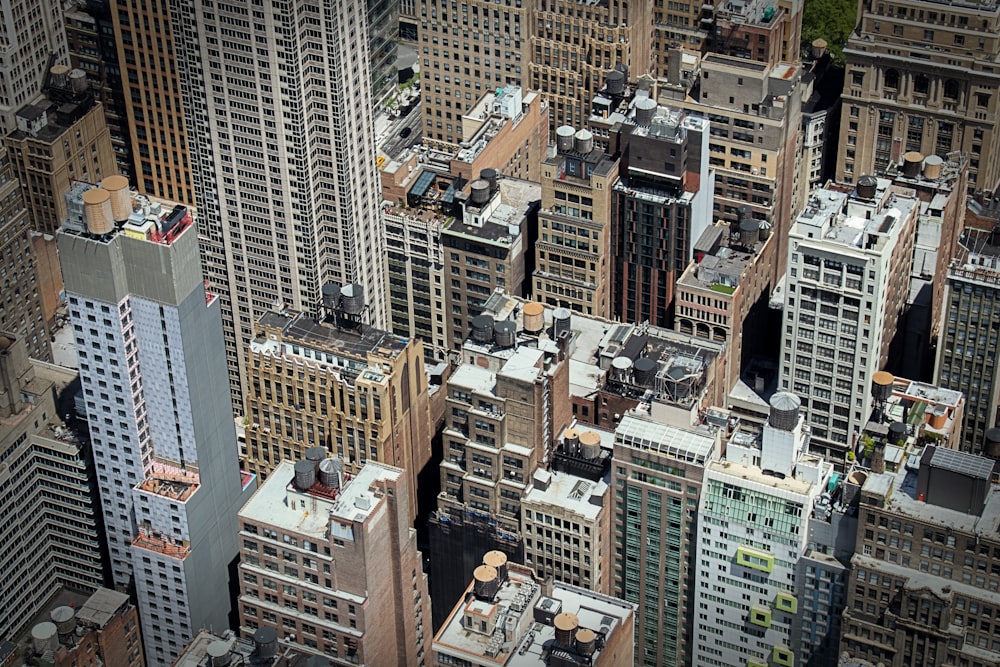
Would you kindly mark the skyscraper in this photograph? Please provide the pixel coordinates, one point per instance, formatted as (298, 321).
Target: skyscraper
(659, 470)
(752, 530)
(561, 48)
(44, 476)
(146, 67)
(152, 368)
(278, 112)
(34, 40)
(966, 351)
(845, 291)
(660, 205)
(920, 77)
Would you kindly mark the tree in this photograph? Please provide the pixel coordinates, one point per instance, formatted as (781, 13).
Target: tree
(832, 20)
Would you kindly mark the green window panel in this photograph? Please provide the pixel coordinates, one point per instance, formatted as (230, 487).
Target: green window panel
(755, 663)
(760, 616)
(786, 602)
(782, 655)
(757, 560)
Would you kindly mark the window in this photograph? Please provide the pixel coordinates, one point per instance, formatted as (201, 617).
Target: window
(857, 78)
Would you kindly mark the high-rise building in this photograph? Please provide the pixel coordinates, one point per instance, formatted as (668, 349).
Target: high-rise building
(572, 253)
(658, 475)
(151, 358)
(280, 127)
(755, 111)
(486, 247)
(752, 531)
(566, 512)
(383, 28)
(920, 77)
(22, 307)
(147, 68)
(93, 48)
(560, 48)
(507, 617)
(965, 358)
(60, 138)
(939, 185)
(330, 561)
(45, 476)
(660, 205)
(723, 294)
(360, 394)
(845, 291)
(34, 40)
(423, 190)
(926, 573)
(103, 630)
(503, 410)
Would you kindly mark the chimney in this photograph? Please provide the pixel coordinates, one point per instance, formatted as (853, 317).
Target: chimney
(878, 458)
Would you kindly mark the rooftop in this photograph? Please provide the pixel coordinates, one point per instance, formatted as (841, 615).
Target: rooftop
(101, 607)
(662, 366)
(323, 339)
(144, 218)
(279, 503)
(568, 491)
(722, 266)
(900, 491)
(207, 645)
(675, 443)
(848, 219)
(754, 474)
(519, 622)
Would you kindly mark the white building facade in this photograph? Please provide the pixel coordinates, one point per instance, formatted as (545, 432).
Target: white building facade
(152, 369)
(33, 32)
(846, 285)
(753, 528)
(279, 111)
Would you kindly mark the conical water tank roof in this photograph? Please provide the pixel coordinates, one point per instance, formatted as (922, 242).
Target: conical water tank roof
(784, 413)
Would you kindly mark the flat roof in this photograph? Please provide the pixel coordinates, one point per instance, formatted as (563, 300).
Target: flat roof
(101, 607)
(900, 491)
(278, 503)
(469, 376)
(754, 474)
(302, 329)
(513, 608)
(569, 492)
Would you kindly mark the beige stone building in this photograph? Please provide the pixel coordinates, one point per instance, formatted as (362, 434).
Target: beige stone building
(566, 512)
(26, 294)
(361, 394)
(61, 138)
(755, 112)
(572, 253)
(560, 49)
(921, 77)
(329, 563)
